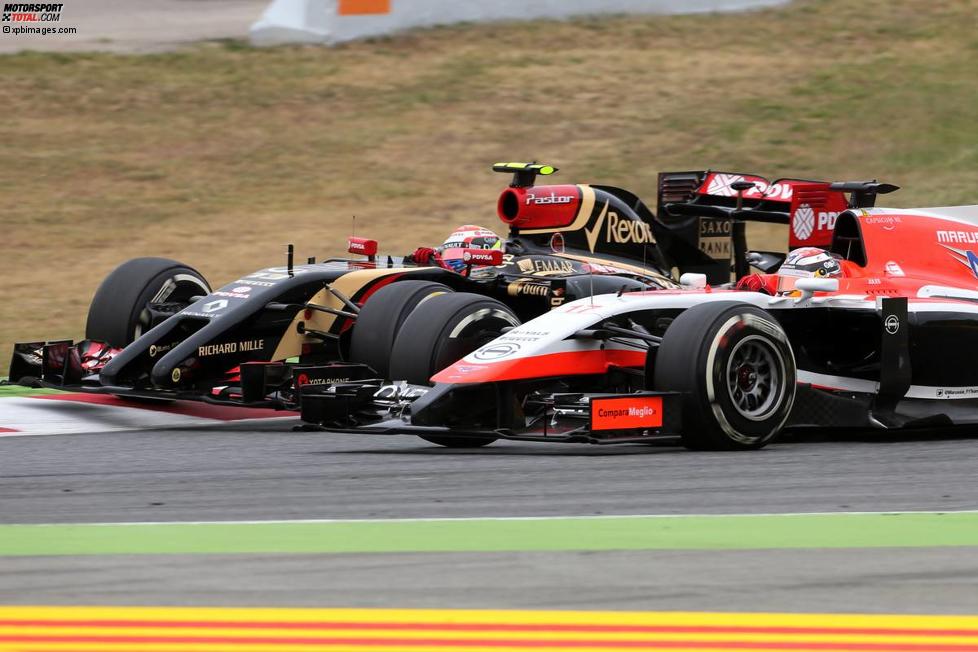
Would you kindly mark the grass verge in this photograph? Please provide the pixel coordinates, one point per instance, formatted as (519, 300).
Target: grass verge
(737, 532)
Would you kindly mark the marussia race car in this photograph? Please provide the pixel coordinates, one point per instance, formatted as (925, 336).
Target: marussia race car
(879, 332)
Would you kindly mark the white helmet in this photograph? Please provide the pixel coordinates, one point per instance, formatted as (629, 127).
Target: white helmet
(811, 262)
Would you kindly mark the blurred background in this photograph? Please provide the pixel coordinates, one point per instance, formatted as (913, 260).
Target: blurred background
(177, 138)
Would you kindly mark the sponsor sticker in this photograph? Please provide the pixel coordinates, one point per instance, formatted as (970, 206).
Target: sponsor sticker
(557, 297)
(552, 198)
(229, 295)
(214, 306)
(227, 348)
(626, 412)
(966, 257)
(716, 238)
(885, 220)
(803, 222)
(957, 392)
(893, 269)
(496, 351)
(274, 274)
(721, 185)
(517, 335)
(155, 350)
(304, 380)
(362, 246)
(827, 220)
(400, 391)
(256, 283)
(545, 266)
(892, 324)
(960, 237)
(482, 257)
(526, 288)
(618, 230)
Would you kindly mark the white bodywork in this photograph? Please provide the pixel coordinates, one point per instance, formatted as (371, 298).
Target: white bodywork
(529, 344)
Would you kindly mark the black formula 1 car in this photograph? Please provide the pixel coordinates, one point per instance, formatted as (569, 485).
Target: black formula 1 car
(876, 330)
(156, 329)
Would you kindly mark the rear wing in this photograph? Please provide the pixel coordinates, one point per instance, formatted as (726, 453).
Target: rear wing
(707, 211)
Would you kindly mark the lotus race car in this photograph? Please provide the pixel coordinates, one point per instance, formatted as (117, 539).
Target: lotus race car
(156, 329)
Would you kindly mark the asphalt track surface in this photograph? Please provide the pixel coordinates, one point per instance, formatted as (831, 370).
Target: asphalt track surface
(235, 472)
(238, 472)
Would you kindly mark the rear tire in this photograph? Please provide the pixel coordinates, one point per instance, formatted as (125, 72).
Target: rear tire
(736, 369)
(118, 313)
(381, 318)
(446, 329)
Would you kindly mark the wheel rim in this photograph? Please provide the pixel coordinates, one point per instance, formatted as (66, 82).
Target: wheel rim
(755, 378)
(179, 288)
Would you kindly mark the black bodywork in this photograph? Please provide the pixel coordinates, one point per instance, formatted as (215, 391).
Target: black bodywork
(204, 345)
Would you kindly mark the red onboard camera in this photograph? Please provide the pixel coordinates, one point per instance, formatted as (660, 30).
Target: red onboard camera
(362, 246)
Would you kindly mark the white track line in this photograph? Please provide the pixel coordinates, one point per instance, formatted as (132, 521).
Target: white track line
(32, 417)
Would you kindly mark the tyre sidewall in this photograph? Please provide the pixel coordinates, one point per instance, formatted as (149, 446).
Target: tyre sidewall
(444, 330)
(731, 329)
(458, 339)
(117, 305)
(382, 317)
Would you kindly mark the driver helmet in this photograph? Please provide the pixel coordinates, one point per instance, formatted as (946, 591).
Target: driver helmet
(811, 262)
(465, 237)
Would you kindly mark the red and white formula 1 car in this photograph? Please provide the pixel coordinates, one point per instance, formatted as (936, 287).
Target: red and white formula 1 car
(877, 329)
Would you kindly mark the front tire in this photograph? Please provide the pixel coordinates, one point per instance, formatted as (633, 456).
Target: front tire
(381, 319)
(447, 328)
(119, 313)
(736, 370)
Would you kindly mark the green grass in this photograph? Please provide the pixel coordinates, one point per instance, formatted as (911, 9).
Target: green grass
(15, 391)
(220, 154)
(914, 529)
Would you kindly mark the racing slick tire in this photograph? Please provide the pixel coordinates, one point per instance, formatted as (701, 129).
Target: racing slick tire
(118, 314)
(381, 318)
(448, 328)
(735, 367)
